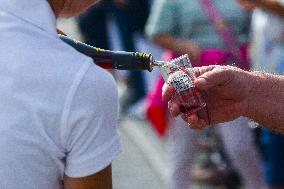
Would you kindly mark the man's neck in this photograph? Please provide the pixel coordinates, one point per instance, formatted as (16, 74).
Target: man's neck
(56, 6)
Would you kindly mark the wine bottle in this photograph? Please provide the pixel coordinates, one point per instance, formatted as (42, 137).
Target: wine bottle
(114, 59)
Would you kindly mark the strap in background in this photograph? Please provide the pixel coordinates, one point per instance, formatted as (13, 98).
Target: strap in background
(223, 30)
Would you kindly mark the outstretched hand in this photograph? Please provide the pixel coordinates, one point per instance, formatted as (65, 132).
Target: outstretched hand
(225, 90)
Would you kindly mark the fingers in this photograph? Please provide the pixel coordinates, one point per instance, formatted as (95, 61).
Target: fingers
(194, 121)
(173, 108)
(167, 92)
(212, 77)
(201, 70)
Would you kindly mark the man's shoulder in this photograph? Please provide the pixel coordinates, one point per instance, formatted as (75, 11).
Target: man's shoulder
(91, 79)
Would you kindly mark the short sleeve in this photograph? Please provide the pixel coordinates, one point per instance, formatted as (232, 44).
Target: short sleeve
(162, 18)
(91, 137)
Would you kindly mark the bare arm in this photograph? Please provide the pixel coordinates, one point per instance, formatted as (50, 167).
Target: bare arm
(266, 100)
(100, 180)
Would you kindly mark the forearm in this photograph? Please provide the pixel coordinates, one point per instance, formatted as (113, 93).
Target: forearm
(270, 5)
(266, 100)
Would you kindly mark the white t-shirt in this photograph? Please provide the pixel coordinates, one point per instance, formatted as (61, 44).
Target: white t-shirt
(58, 109)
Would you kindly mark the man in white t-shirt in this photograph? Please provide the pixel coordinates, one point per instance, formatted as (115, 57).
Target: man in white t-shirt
(58, 123)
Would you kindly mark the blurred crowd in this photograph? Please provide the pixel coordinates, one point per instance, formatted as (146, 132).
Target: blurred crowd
(245, 33)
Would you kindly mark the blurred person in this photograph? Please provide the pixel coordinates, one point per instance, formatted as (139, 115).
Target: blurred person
(190, 27)
(54, 129)
(268, 55)
(130, 16)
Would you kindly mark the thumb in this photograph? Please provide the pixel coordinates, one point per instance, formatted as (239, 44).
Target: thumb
(213, 78)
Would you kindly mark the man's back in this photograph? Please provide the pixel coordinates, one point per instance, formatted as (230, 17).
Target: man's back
(50, 123)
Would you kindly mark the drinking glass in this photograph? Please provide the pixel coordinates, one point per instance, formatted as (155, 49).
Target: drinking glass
(182, 75)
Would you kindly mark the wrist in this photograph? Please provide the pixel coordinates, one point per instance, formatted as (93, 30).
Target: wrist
(254, 96)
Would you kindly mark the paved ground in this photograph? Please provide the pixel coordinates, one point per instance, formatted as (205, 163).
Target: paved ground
(142, 163)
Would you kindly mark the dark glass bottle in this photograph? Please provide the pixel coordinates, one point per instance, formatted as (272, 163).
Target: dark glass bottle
(114, 59)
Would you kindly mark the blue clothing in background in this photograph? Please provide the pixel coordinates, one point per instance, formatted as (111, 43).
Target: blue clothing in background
(272, 146)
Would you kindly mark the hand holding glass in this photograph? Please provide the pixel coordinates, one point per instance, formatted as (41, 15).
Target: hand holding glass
(185, 94)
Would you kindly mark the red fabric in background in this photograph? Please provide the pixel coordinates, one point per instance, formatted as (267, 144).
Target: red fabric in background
(156, 109)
